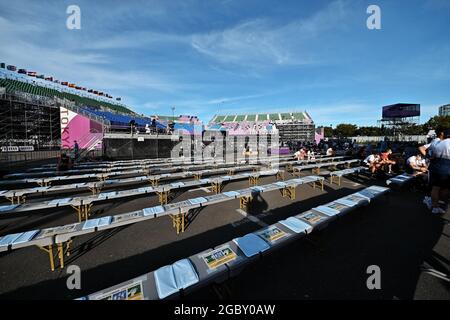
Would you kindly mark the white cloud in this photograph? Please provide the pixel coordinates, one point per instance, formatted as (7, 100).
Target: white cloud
(260, 42)
(73, 63)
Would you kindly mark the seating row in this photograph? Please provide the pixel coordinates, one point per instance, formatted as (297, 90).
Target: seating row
(62, 236)
(18, 196)
(228, 259)
(83, 204)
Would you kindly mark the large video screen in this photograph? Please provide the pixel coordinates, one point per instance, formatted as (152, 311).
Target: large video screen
(401, 111)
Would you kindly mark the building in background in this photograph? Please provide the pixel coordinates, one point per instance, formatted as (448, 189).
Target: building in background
(400, 115)
(290, 126)
(444, 110)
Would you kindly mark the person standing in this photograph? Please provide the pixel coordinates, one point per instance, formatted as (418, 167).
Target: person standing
(76, 150)
(425, 151)
(440, 172)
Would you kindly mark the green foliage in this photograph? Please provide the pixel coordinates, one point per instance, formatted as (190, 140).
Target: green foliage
(350, 130)
(328, 132)
(434, 122)
(345, 130)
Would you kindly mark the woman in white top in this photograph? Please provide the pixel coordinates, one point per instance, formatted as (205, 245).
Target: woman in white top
(439, 152)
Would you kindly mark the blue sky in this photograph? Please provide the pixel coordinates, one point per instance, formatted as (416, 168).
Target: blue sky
(237, 56)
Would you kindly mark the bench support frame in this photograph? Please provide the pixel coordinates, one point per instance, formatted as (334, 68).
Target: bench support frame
(288, 192)
(244, 202)
(83, 211)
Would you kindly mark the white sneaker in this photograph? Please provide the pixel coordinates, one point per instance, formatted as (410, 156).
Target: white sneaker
(438, 210)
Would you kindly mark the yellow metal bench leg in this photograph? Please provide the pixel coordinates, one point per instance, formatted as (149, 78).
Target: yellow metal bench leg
(95, 190)
(49, 250)
(216, 187)
(44, 183)
(67, 252)
(17, 199)
(61, 255)
(243, 202)
(178, 222)
(78, 211)
(288, 192)
(280, 175)
(163, 197)
(253, 181)
(83, 211)
(183, 218)
(321, 184)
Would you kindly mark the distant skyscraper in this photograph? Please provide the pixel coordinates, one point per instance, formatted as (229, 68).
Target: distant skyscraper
(444, 110)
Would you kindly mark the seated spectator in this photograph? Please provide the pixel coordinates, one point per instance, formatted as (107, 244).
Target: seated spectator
(416, 164)
(64, 162)
(386, 161)
(300, 154)
(372, 162)
(330, 152)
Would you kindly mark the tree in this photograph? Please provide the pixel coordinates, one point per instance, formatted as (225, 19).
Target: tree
(346, 130)
(437, 121)
(413, 129)
(369, 131)
(328, 132)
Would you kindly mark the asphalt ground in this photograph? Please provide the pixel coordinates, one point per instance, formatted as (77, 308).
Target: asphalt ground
(396, 233)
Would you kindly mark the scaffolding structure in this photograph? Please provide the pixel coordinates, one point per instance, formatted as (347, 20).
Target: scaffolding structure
(26, 121)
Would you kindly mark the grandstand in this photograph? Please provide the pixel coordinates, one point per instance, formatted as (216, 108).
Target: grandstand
(91, 105)
(39, 113)
(14, 82)
(290, 126)
(183, 124)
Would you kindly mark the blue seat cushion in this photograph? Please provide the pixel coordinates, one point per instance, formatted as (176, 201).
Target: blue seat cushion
(251, 244)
